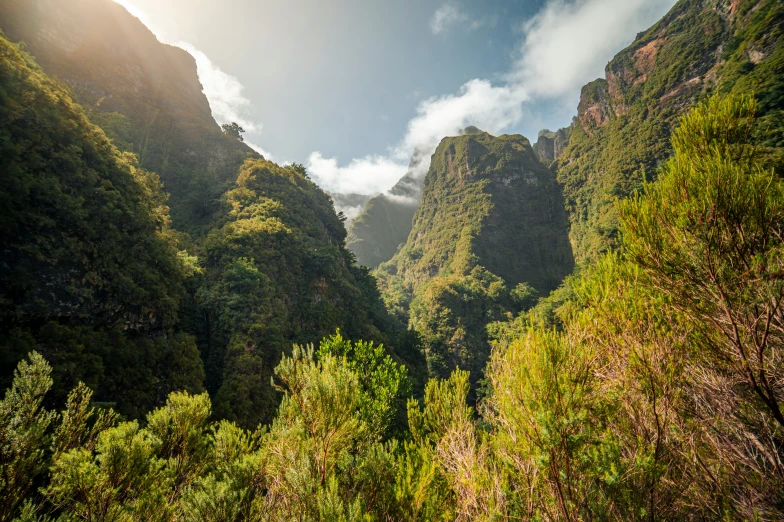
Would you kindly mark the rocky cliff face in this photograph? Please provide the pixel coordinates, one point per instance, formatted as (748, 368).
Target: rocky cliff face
(622, 129)
(495, 188)
(385, 222)
(144, 94)
(551, 145)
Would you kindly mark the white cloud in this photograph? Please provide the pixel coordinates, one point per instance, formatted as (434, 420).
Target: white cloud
(366, 175)
(566, 45)
(445, 17)
(479, 103)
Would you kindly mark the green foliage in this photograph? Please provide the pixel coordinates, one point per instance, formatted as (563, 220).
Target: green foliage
(144, 94)
(24, 433)
(467, 252)
(377, 233)
(648, 386)
(90, 275)
(382, 383)
(233, 130)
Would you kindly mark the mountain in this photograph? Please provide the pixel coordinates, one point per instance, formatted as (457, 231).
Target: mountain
(385, 222)
(276, 272)
(144, 94)
(621, 133)
(90, 275)
(490, 232)
(350, 204)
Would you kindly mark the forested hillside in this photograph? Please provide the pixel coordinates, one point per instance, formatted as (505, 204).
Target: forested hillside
(111, 292)
(276, 271)
(90, 275)
(489, 235)
(144, 94)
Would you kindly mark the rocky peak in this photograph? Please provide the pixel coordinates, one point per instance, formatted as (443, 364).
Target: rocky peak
(550, 145)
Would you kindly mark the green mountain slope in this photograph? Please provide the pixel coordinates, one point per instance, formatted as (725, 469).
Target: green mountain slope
(491, 228)
(276, 272)
(621, 133)
(144, 94)
(89, 274)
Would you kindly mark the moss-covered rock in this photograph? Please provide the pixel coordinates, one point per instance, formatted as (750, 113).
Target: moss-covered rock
(491, 218)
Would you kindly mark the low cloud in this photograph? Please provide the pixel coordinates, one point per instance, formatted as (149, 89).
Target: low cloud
(368, 175)
(478, 102)
(403, 200)
(566, 45)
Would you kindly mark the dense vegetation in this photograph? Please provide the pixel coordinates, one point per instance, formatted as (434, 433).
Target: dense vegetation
(166, 376)
(276, 271)
(90, 275)
(658, 398)
(490, 233)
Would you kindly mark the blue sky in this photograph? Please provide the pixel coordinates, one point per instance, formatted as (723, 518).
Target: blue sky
(350, 87)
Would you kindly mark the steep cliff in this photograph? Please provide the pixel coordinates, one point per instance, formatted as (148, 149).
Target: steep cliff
(491, 231)
(624, 121)
(146, 95)
(385, 222)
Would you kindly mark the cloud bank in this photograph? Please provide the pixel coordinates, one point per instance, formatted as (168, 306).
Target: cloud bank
(566, 45)
(361, 175)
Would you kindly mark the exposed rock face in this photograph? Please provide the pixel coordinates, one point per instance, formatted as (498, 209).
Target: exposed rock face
(550, 145)
(594, 108)
(144, 94)
(623, 125)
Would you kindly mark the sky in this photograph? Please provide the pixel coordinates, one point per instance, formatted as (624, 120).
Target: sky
(350, 87)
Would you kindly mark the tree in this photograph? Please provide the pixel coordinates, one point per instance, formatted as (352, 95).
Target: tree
(234, 130)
